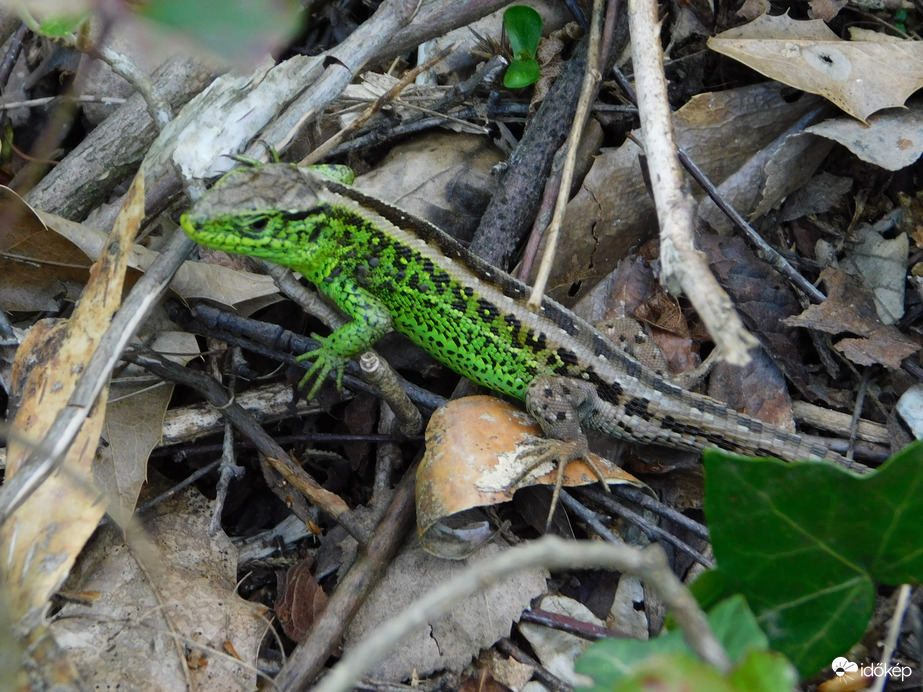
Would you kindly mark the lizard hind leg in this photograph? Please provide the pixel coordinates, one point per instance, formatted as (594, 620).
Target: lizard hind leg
(555, 403)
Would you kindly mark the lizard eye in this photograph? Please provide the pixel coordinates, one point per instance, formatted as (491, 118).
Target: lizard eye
(258, 225)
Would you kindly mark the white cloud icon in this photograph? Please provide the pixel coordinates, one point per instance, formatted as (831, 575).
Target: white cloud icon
(841, 666)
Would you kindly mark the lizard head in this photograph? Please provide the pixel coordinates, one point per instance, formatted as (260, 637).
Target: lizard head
(272, 212)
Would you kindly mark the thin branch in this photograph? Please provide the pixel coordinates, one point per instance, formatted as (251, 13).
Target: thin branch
(591, 81)
(685, 270)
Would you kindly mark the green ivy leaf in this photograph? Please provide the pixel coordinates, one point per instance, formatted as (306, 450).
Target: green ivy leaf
(764, 671)
(806, 542)
(611, 661)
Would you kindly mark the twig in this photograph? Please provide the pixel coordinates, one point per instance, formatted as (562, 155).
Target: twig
(900, 609)
(511, 210)
(157, 106)
(273, 455)
(652, 530)
(143, 298)
(548, 679)
(393, 93)
(591, 81)
(764, 250)
(12, 53)
(374, 39)
(311, 654)
(684, 268)
(229, 471)
(48, 100)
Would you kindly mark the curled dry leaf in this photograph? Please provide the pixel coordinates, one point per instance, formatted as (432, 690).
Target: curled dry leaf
(472, 459)
(302, 600)
(858, 76)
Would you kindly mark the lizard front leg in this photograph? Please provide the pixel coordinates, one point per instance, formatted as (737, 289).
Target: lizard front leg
(370, 320)
(559, 405)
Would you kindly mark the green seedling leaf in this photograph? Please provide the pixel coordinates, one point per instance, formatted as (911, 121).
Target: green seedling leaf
(805, 543)
(524, 28)
(233, 29)
(521, 73)
(611, 661)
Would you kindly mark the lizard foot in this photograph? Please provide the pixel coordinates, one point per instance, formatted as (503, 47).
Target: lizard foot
(541, 451)
(326, 360)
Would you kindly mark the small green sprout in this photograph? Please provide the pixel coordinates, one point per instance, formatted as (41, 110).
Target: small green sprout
(524, 28)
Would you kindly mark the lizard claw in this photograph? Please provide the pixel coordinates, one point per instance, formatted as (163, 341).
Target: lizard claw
(325, 362)
(539, 451)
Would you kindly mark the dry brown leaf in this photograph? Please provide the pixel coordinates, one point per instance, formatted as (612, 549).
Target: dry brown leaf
(134, 422)
(619, 294)
(441, 177)
(881, 263)
(818, 196)
(892, 140)
(451, 641)
(471, 460)
(751, 9)
(825, 9)
(849, 309)
(858, 76)
(788, 169)
(763, 299)
(167, 610)
(613, 212)
(301, 600)
(38, 267)
(911, 220)
(44, 257)
(482, 681)
(508, 671)
(244, 290)
(43, 537)
(756, 389)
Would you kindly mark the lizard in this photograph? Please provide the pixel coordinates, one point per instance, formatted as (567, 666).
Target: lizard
(386, 269)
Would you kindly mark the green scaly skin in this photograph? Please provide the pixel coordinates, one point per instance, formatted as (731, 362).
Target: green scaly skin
(381, 286)
(386, 269)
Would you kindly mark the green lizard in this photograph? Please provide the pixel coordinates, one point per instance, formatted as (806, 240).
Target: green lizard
(386, 269)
